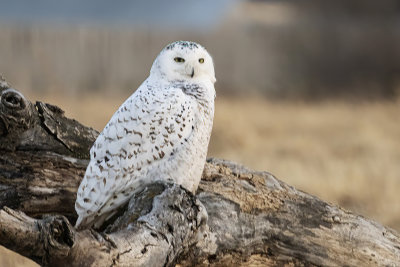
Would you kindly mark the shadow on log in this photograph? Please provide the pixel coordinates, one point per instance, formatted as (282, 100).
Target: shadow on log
(239, 217)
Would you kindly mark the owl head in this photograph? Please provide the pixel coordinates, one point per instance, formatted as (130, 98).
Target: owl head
(184, 61)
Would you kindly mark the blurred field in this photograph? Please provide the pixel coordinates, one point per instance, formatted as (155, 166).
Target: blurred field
(281, 49)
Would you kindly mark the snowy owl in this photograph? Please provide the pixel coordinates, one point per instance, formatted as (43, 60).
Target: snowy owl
(161, 132)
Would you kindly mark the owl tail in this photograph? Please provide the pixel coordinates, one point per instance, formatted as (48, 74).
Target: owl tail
(92, 221)
(83, 223)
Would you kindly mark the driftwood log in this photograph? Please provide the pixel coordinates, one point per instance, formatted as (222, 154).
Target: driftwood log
(239, 217)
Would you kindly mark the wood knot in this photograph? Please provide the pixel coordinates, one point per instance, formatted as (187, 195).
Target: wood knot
(57, 231)
(12, 99)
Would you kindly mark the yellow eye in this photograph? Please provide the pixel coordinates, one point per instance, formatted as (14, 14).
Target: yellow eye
(201, 60)
(179, 59)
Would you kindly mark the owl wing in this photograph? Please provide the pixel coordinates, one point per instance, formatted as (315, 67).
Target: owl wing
(147, 129)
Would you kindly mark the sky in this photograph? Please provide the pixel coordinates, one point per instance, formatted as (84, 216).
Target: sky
(175, 13)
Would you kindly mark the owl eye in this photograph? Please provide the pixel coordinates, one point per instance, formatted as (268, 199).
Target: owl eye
(179, 59)
(201, 60)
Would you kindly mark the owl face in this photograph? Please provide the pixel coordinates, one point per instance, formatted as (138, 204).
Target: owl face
(187, 61)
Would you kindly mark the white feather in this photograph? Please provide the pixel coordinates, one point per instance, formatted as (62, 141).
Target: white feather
(161, 132)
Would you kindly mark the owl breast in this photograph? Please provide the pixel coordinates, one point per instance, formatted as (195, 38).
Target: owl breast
(189, 133)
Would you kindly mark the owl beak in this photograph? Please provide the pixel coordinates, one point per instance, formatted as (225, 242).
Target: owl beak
(189, 70)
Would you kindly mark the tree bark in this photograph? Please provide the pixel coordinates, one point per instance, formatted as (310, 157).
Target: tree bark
(238, 217)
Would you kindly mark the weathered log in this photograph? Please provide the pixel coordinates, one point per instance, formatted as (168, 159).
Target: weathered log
(156, 238)
(238, 217)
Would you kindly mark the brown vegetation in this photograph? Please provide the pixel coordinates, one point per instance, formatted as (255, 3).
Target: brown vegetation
(276, 48)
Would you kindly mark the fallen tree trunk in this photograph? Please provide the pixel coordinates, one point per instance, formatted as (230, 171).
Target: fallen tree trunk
(238, 217)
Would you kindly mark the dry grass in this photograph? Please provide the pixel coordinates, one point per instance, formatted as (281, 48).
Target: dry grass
(345, 153)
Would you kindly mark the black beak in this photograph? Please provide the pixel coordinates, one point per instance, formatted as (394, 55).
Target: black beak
(192, 73)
